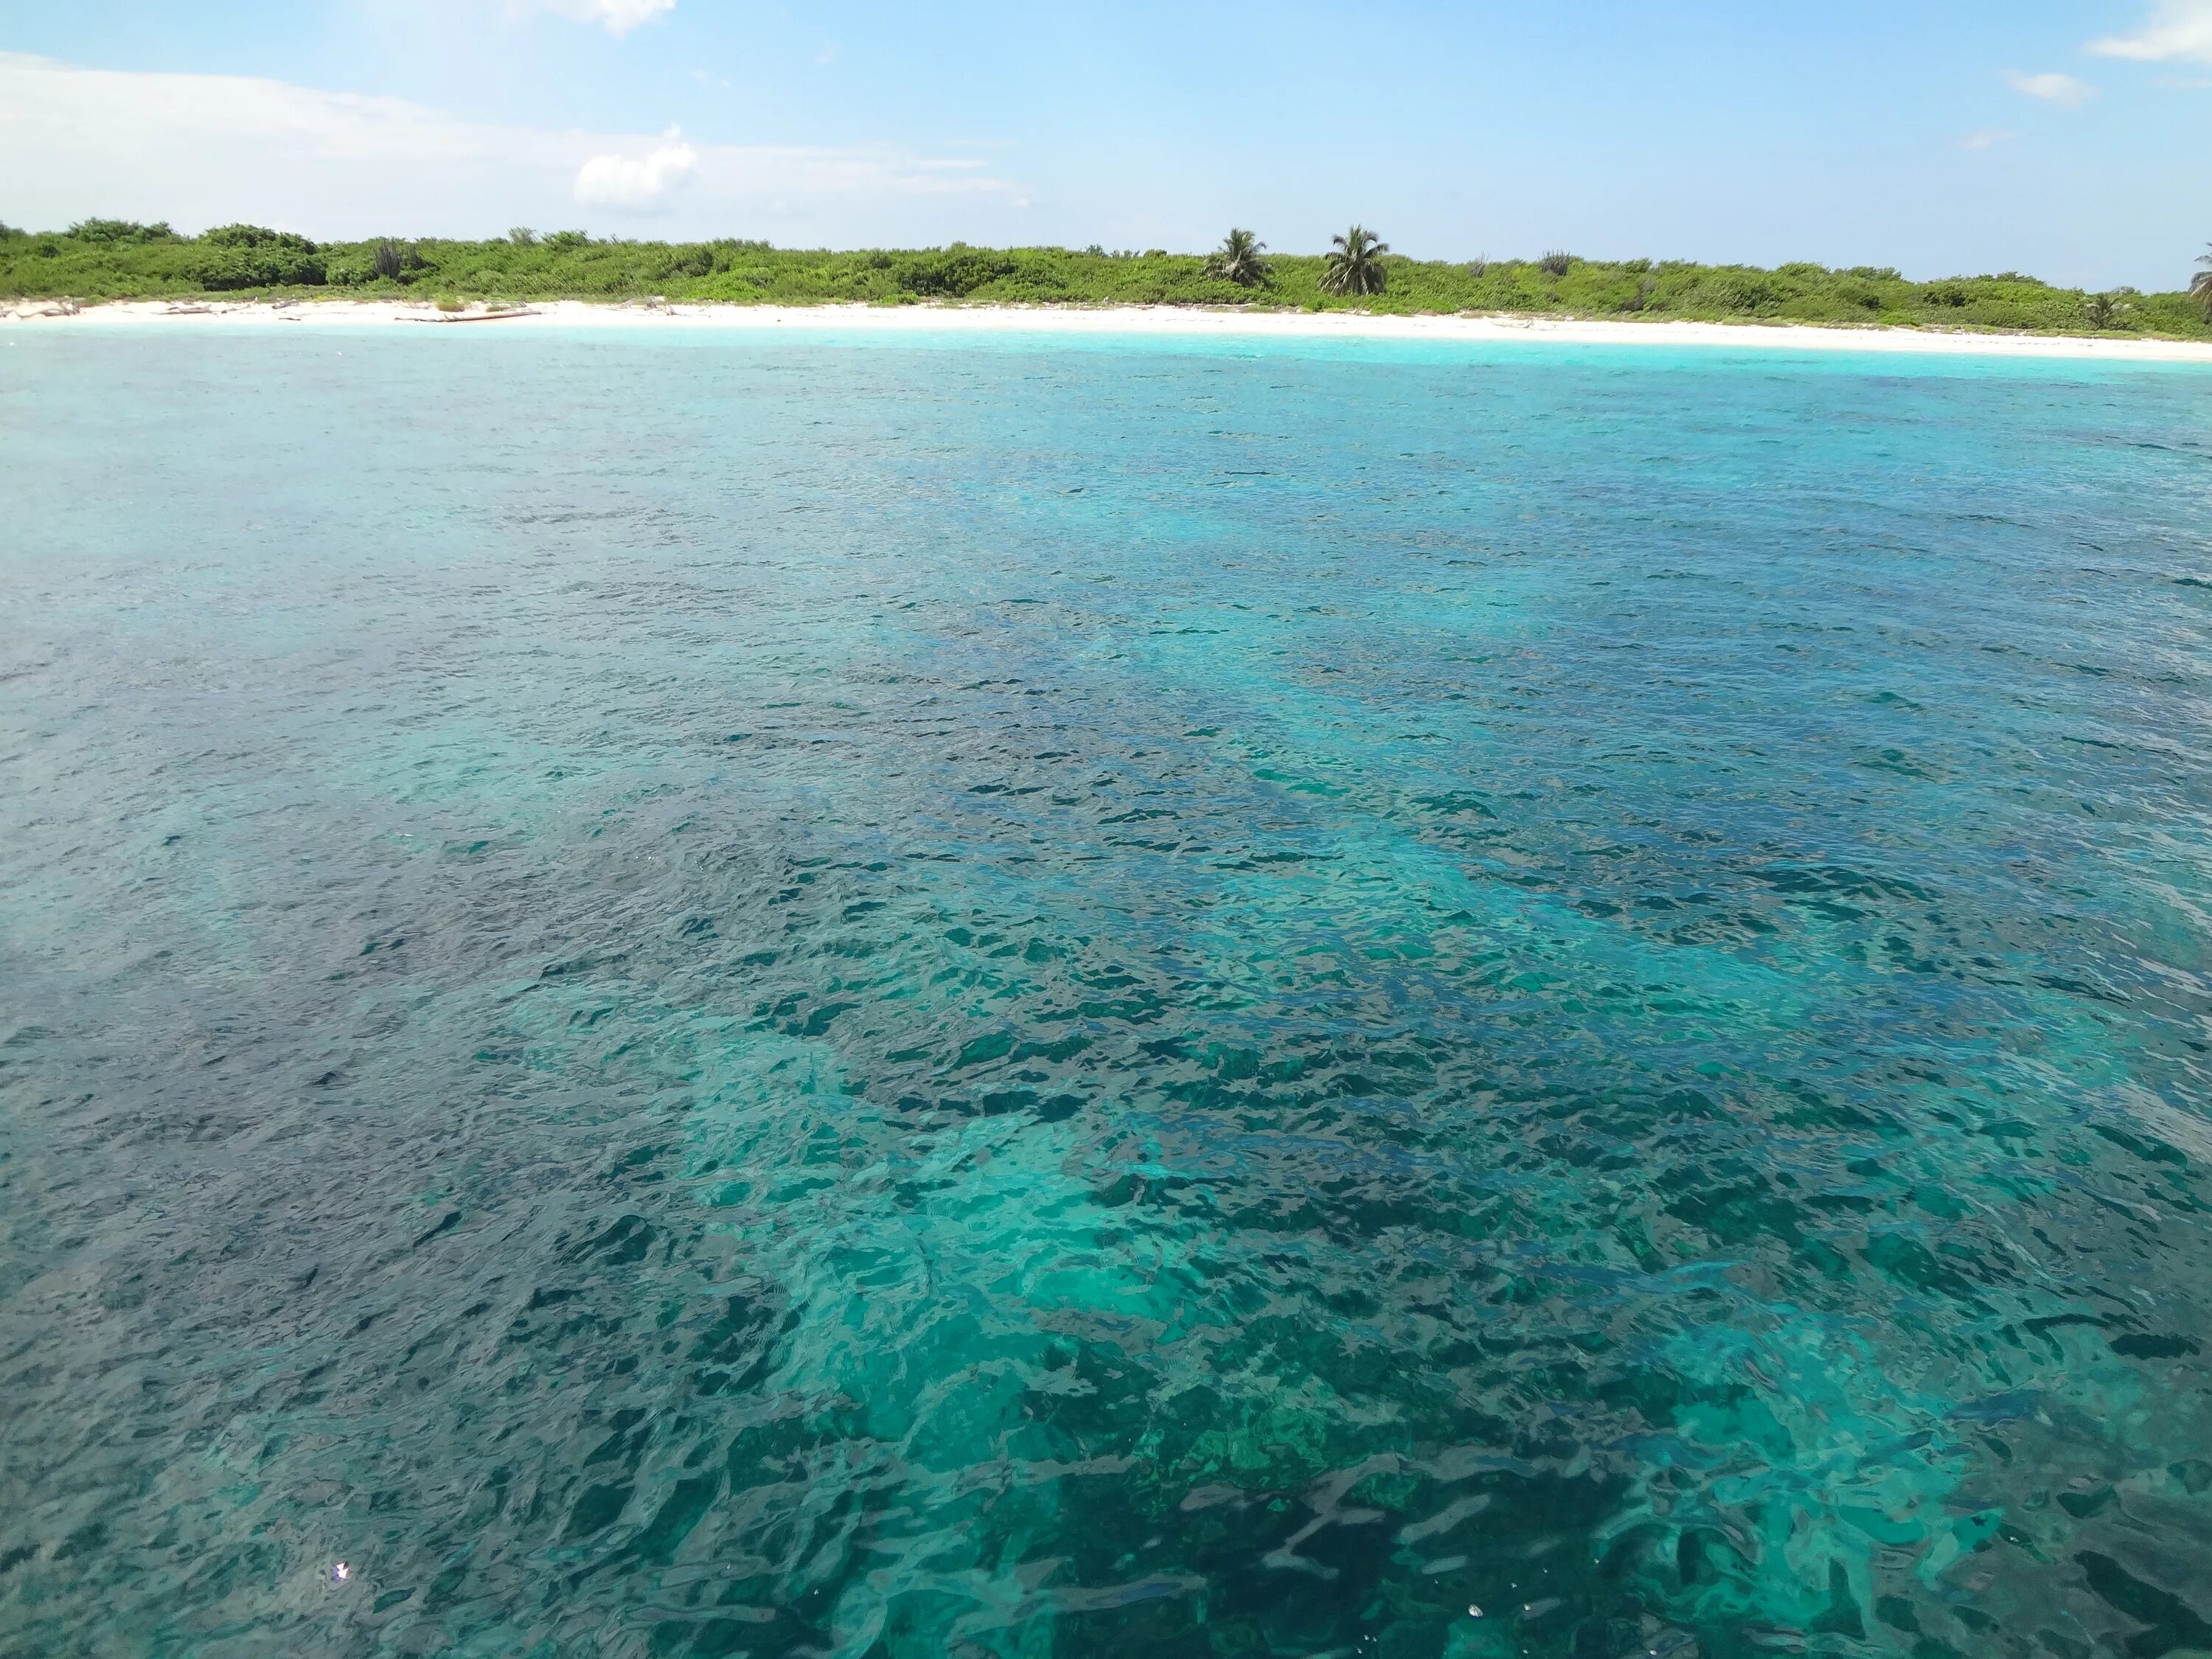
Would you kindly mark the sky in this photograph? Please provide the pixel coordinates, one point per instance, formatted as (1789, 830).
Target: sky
(2059, 137)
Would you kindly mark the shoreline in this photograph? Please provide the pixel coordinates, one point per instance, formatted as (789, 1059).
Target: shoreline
(1168, 321)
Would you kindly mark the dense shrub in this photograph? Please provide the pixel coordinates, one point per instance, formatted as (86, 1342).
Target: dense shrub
(250, 256)
(1739, 293)
(117, 259)
(2104, 311)
(120, 230)
(694, 261)
(254, 236)
(953, 273)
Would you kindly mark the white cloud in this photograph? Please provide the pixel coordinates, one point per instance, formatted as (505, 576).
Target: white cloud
(2177, 29)
(618, 180)
(1985, 140)
(203, 150)
(620, 16)
(2062, 89)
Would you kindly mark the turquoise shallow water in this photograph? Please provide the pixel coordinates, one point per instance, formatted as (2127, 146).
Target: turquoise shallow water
(717, 996)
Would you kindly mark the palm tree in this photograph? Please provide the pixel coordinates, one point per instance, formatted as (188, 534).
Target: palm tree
(1355, 265)
(2200, 288)
(1237, 260)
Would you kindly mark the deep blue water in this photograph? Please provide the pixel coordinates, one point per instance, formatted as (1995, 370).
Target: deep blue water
(693, 995)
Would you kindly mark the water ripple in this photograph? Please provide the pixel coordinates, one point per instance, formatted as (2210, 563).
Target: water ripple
(743, 997)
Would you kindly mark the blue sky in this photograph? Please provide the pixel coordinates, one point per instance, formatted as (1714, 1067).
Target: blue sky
(2061, 138)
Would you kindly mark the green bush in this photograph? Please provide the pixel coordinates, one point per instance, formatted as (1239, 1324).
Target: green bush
(697, 261)
(953, 273)
(1739, 293)
(2103, 311)
(250, 256)
(117, 259)
(120, 230)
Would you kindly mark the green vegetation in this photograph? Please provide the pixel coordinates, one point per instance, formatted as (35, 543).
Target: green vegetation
(107, 259)
(1354, 265)
(233, 256)
(1237, 260)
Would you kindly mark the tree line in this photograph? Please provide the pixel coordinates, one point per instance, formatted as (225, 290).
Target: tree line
(97, 260)
(1355, 265)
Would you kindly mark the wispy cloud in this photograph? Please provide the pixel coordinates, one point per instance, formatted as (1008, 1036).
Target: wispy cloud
(2052, 89)
(618, 16)
(202, 149)
(1985, 140)
(2177, 29)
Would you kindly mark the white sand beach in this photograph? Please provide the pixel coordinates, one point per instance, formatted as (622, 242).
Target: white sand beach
(1168, 320)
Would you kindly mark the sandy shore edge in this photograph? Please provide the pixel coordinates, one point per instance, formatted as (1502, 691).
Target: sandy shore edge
(1160, 321)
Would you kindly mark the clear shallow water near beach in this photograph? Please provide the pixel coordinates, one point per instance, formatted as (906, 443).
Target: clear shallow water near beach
(713, 995)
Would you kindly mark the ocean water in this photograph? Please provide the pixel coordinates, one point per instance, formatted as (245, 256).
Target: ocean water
(692, 995)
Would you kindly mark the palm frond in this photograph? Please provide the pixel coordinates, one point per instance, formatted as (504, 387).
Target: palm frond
(1355, 265)
(1237, 260)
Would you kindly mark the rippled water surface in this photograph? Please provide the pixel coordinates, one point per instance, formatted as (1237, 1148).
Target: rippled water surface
(751, 996)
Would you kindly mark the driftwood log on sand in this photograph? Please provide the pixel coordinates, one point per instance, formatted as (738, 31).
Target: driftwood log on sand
(467, 316)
